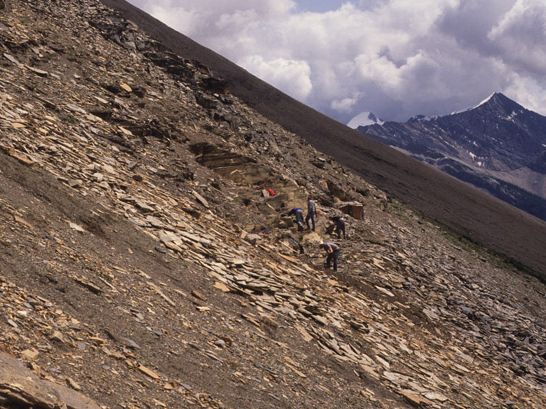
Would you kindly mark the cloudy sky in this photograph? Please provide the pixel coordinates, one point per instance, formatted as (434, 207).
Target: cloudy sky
(396, 58)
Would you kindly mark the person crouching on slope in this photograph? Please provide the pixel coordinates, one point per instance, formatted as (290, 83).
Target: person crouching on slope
(333, 251)
(297, 212)
(339, 223)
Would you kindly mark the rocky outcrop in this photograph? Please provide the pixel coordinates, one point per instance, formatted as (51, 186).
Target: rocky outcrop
(21, 388)
(232, 165)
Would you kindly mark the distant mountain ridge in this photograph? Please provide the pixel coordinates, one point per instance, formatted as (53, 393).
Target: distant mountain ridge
(498, 146)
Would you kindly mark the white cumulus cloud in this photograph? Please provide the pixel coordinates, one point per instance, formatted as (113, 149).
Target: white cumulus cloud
(396, 58)
(290, 75)
(521, 35)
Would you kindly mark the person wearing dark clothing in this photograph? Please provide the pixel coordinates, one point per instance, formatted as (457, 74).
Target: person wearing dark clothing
(297, 212)
(311, 214)
(333, 251)
(339, 227)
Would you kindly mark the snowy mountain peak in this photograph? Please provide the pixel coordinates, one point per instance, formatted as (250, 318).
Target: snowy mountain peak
(486, 100)
(364, 119)
(483, 145)
(499, 102)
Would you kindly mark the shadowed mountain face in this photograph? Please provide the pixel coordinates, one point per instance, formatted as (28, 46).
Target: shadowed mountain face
(498, 146)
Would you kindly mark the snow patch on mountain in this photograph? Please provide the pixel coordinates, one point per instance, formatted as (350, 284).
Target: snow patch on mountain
(364, 119)
(485, 101)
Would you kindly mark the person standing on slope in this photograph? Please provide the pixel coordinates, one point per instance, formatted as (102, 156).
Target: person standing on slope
(311, 213)
(333, 251)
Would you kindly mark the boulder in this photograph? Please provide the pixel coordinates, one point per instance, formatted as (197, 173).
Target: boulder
(21, 388)
(337, 191)
(312, 238)
(253, 238)
(353, 209)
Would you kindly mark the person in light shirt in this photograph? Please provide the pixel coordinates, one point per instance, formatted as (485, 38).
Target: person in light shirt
(333, 251)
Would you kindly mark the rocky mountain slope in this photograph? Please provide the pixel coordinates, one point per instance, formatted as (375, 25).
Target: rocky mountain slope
(141, 265)
(467, 211)
(498, 146)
